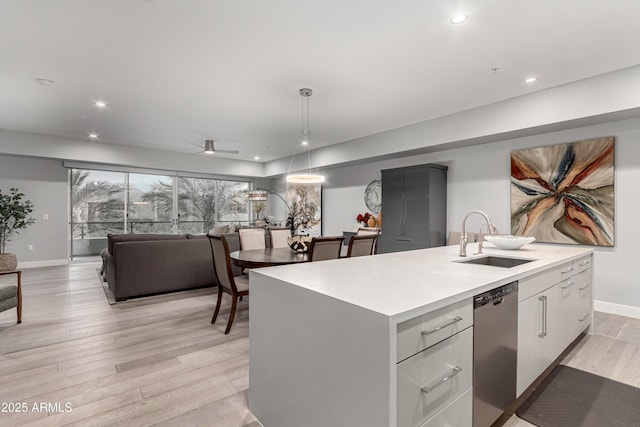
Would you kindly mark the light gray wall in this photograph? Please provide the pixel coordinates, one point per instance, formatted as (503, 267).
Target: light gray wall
(478, 178)
(44, 182)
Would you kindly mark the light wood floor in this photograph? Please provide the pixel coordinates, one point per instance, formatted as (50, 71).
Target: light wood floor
(151, 361)
(158, 361)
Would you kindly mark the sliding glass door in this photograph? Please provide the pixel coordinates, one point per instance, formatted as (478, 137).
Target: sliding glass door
(96, 209)
(207, 203)
(150, 204)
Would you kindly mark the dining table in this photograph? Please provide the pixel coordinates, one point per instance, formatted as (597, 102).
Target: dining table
(268, 257)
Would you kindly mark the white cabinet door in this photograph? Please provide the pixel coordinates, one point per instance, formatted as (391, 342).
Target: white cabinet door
(530, 331)
(540, 335)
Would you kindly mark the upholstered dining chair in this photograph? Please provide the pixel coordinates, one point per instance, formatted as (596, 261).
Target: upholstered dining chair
(279, 237)
(324, 248)
(251, 238)
(237, 287)
(11, 296)
(367, 230)
(364, 231)
(361, 245)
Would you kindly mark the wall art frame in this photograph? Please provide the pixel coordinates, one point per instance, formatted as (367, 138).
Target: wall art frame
(564, 193)
(306, 204)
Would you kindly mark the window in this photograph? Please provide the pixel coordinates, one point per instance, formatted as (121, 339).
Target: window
(153, 204)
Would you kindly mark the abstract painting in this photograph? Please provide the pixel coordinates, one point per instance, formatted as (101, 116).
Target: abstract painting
(564, 193)
(306, 203)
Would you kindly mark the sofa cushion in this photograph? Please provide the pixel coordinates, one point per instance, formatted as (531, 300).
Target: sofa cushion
(113, 238)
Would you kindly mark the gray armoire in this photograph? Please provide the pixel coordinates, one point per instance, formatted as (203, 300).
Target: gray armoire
(414, 208)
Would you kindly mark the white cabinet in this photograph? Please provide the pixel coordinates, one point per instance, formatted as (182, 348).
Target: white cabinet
(549, 320)
(428, 329)
(331, 346)
(431, 379)
(457, 414)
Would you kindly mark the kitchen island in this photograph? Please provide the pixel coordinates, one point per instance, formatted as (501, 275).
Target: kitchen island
(356, 342)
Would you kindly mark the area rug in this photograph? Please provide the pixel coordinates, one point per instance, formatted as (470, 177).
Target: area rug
(105, 287)
(569, 397)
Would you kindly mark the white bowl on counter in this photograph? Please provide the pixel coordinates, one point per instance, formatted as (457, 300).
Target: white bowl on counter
(509, 241)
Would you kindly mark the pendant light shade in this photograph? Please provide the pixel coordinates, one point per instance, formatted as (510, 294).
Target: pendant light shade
(308, 177)
(257, 195)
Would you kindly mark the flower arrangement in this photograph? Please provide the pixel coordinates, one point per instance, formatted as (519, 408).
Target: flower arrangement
(364, 218)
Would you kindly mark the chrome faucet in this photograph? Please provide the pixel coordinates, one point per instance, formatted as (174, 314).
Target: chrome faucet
(463, 237)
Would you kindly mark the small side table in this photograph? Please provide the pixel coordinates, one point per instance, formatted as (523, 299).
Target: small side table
(19, 274)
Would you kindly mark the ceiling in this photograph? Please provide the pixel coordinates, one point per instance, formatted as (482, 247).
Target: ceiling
(174, 73)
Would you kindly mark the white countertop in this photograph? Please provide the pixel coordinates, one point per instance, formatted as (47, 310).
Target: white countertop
(403, 284)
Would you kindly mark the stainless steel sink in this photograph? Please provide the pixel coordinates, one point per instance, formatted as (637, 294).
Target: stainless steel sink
(496, 261)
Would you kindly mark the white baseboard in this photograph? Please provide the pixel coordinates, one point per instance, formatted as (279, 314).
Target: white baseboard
(619, 309)
(44, 263)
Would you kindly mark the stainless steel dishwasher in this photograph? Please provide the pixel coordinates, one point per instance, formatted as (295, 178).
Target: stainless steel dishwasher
(495, 340)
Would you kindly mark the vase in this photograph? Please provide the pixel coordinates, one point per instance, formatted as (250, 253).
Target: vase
(372, 222)
(8, 262)
(379, 220)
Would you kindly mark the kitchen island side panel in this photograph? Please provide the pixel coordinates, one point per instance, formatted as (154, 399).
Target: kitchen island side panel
(317, 361)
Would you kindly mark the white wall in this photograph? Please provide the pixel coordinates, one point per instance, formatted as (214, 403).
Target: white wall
(44, 182)
(478, 178)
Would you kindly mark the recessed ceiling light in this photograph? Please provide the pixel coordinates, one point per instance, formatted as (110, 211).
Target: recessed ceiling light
(530, 80)
(93, 135)
(101, 104)
(45, 82)
(305, 142)
(458, 19)
(256, 157)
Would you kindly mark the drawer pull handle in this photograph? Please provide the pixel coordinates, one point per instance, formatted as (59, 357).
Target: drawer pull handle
(585, 286)
(584, 316)
(565, 286)
(456, 370)
(566, 270)
(582, 264)
(453, 322)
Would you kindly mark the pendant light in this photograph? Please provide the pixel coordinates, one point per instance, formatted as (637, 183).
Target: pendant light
(308, 177)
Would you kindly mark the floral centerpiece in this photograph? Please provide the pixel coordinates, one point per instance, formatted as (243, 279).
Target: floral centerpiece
(364, 218)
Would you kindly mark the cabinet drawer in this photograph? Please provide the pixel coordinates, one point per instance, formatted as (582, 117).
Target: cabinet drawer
(584, 282)
(582, 264)
(457, 414)
(430, 380)
(537, 283)
(424, 331)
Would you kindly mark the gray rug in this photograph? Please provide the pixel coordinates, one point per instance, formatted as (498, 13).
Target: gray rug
(569, 397)
(105, 288)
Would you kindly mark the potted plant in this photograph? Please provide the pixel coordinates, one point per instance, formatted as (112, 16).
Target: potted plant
(14, 216)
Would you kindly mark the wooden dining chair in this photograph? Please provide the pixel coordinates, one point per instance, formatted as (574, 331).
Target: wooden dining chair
(361, 245)
(251, 238)
(237, 287)
(324, 248)
(279, 237)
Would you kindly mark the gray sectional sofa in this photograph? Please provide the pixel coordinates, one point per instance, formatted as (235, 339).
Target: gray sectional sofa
(146, 264)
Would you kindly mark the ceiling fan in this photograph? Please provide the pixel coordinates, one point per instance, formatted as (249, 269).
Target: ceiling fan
(210, 149)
